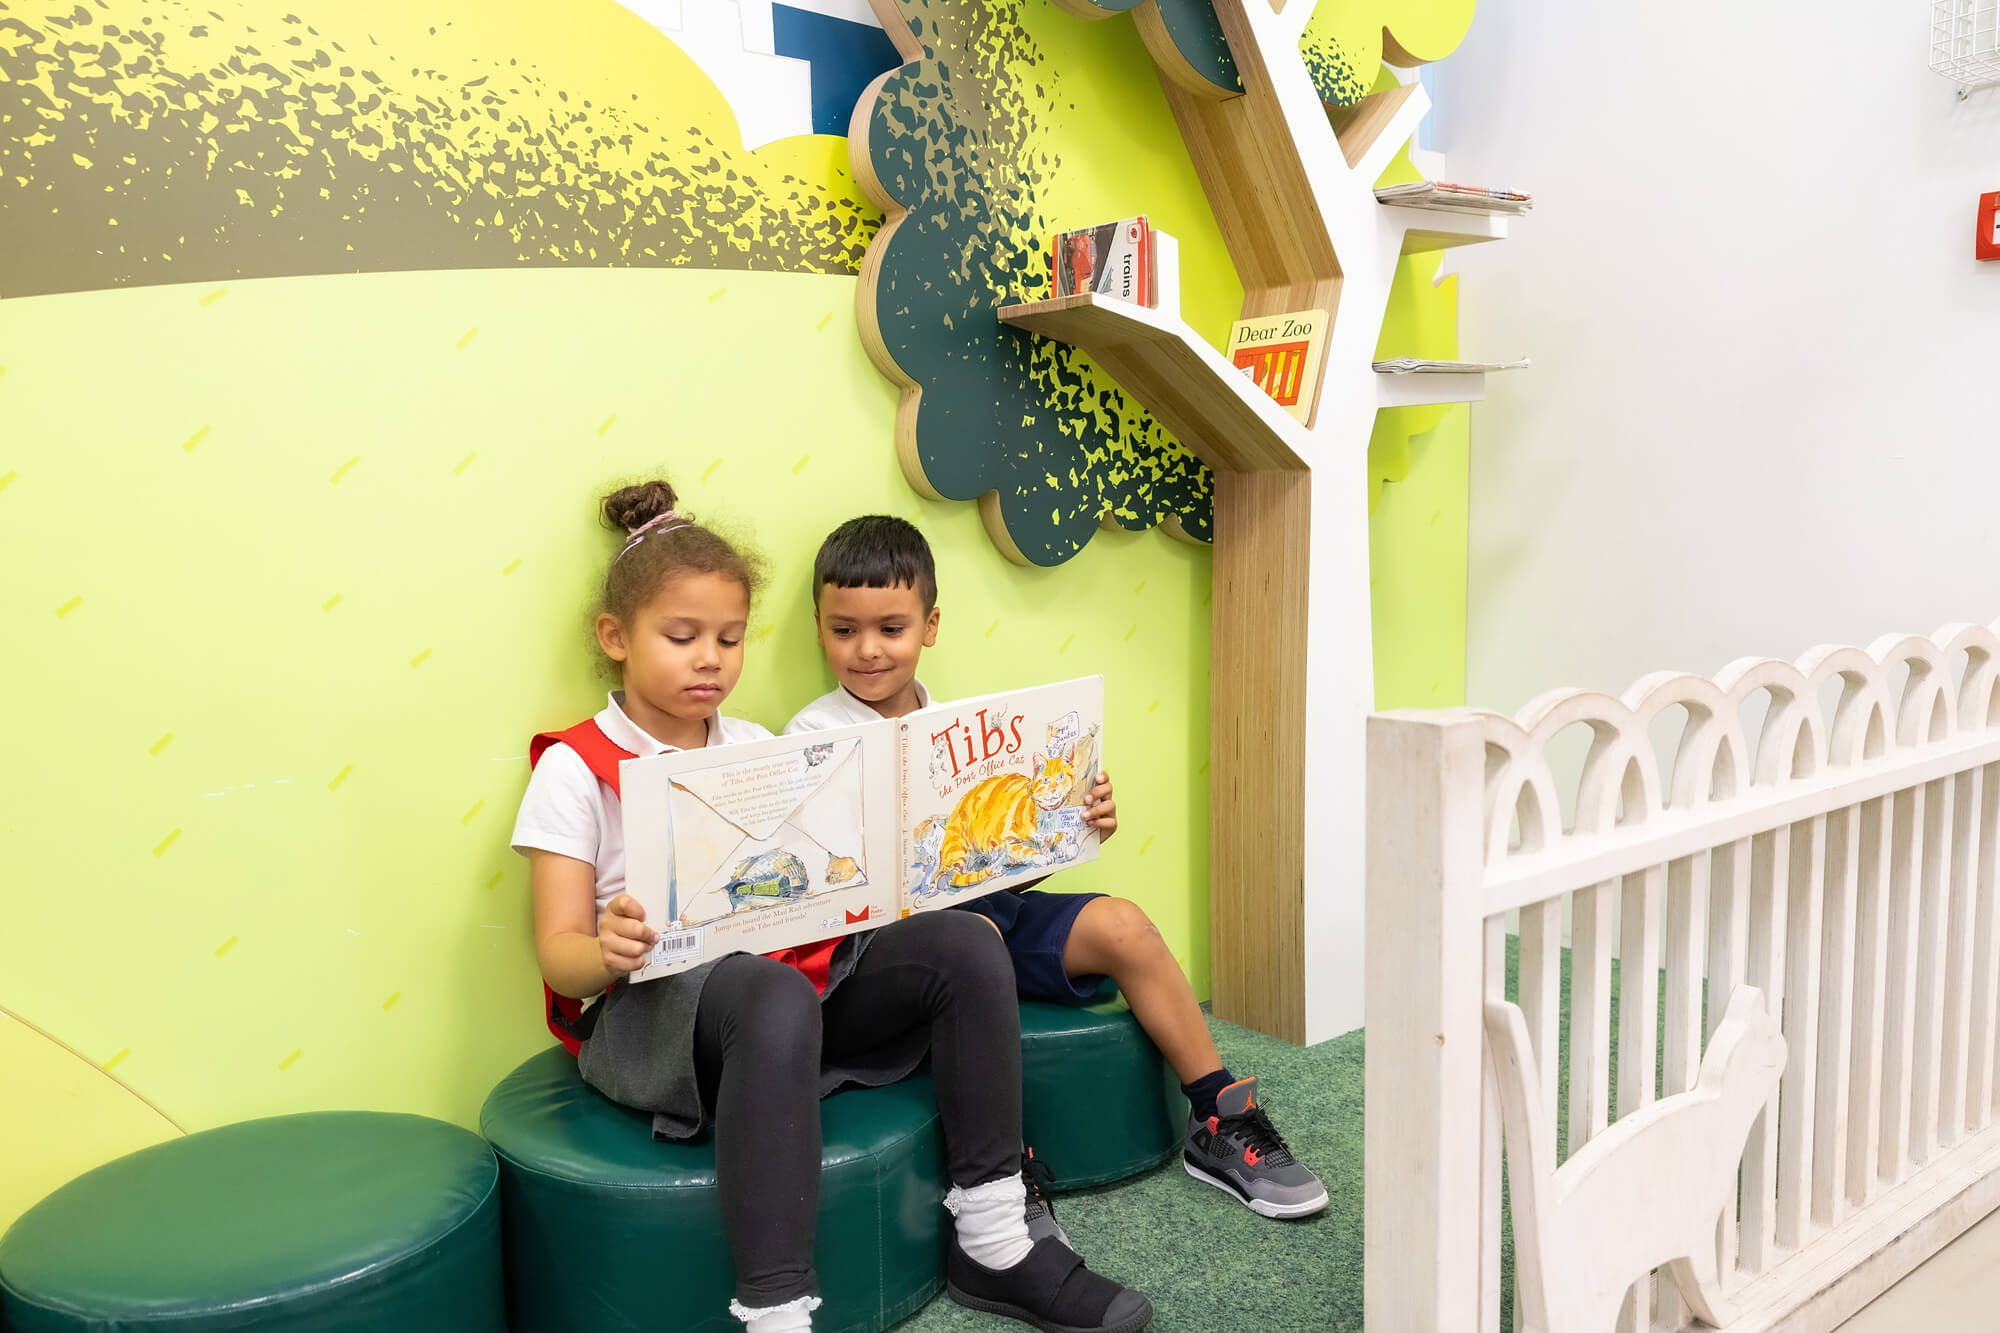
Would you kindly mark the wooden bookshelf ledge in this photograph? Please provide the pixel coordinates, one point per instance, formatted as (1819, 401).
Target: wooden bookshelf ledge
(1229, 423)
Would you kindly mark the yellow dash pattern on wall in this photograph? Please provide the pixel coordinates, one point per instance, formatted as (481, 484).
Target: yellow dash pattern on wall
(390, 1003)
(717, 295)
(464, 463)
(115, 1060)
(161, 744)
(494, 883)
(709, 471)
(1140, 588)
(344, 469)
(607, 423)
(225, 946)
(69, 606)
(1203, 770)
(421, 658)
(803, 460)
(477, 806)
(1065, 645)
(990, 628)
(330, 603)
(339, 778)
(470, 334)
(167, 842)
(289, 1061)
(1130, 632)
(8, 480)
(187, 445)
(1153, 705)
(1147, 843)
(214, 296)
(764, 631)
(823, 323)
(511, 567)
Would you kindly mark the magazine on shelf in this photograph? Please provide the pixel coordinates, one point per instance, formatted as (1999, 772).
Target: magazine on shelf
(1455, 198)
(777, 843)
(1417, 365)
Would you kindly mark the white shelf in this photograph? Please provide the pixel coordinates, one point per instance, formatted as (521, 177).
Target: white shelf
(1428, 390)
(1443, 229)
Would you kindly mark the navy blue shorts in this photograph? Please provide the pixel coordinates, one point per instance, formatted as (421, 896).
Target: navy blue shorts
(1036, 926)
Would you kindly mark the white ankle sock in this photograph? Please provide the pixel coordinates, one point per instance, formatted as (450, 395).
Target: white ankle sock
(791, 1317)
(992, 1221)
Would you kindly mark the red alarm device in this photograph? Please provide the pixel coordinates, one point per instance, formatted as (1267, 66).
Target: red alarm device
(1987, 242)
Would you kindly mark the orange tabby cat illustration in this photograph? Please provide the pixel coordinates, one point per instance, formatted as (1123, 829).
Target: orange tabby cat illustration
(1010, 821)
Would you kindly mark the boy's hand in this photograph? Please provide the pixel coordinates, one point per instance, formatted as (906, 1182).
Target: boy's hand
(1102, 813)
(623, 937)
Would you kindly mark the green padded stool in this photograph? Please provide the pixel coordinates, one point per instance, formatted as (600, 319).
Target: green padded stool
(607, 1229)
(332, 1220)
(1097, 1101)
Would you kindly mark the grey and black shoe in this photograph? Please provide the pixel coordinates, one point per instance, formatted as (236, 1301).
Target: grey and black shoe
(1237, 1151)
(1050, 1289)
(1035, 1174)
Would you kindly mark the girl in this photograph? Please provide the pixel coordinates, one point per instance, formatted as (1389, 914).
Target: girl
(749, 1043)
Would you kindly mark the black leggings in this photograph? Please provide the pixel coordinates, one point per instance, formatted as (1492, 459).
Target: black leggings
(761, 1033)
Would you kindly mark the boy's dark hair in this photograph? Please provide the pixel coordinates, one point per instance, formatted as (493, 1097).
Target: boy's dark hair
(876, 551)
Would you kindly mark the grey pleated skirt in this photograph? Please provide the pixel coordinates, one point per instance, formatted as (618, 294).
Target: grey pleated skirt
(641, 1053)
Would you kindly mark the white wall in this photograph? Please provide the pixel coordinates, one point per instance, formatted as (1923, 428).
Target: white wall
(1765, 406)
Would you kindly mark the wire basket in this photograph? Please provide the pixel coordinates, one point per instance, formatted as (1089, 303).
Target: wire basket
(1965, 41)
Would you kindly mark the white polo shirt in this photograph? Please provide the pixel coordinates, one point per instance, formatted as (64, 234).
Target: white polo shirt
(566, 810)
(841, 709)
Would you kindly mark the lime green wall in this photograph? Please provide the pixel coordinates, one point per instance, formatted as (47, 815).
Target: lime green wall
(301, 564)
(298, 563)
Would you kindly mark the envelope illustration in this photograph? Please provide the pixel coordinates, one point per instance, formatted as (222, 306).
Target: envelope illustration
(760, 833)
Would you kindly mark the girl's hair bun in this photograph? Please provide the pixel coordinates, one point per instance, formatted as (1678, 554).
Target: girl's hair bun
(632, 507)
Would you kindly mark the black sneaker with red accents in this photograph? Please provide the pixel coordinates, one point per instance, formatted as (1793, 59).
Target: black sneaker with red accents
(1035, 1174)
(1239, 1152)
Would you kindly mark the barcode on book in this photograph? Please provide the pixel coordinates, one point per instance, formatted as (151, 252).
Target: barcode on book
(677, 946)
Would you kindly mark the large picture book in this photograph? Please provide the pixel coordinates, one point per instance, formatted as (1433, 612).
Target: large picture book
(778, 843)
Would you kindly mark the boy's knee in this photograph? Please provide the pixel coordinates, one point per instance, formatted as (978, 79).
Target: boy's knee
(1121, 927)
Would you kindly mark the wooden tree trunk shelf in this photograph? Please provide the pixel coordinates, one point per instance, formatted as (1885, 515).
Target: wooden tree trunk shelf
(1229, 423)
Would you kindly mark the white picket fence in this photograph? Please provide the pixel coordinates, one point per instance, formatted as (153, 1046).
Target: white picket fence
(1841, 861)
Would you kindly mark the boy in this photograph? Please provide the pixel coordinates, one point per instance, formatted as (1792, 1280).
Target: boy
(875, 602)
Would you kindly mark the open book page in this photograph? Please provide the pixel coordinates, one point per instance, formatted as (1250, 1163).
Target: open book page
(762, 846)
(995, 788)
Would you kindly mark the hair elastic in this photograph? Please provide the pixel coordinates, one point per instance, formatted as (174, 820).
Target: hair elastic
(676, 520)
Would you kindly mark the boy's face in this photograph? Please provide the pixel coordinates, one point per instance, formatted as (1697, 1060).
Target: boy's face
(872, 638)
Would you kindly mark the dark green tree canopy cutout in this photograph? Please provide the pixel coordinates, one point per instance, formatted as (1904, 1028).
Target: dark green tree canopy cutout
(957, 138)
(1197, 37)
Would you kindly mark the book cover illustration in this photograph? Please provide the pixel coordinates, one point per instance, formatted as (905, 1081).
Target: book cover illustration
(759, 846)
(995, 790)
(1114, 259)
(1281, 354)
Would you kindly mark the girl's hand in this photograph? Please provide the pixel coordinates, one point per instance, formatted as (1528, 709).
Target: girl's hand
(623, 937)
(1102, 813)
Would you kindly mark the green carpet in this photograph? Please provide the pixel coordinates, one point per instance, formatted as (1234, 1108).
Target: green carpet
(1211, 1264)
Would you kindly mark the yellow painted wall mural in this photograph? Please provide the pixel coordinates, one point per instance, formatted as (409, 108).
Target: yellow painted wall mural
(322, 326)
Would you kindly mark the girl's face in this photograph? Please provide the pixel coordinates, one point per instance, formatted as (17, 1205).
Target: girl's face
(681, 655)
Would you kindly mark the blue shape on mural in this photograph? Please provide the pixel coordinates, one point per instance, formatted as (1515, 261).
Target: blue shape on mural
(845, 57)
